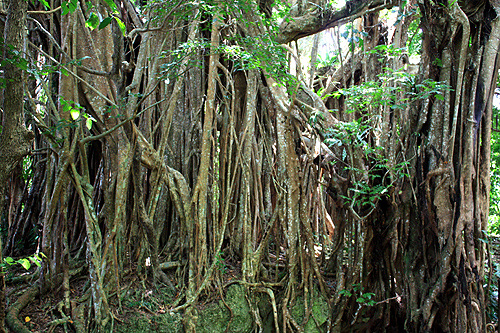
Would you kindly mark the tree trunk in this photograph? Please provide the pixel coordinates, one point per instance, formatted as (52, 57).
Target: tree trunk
(15, 139)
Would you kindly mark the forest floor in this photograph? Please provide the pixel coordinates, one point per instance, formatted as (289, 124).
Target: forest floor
(145, 307)
(141, 307)
(140, 299)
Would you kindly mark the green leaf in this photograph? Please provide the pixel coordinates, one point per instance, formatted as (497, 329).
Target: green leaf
(64, 71)
(9, 260)
(25, 263)
(22, 64)
(104, 23)
(438, 62)
(35, 261)
(69, 6)
(112, 5)
(73, 5)
(121, 25)
(65, 8)
(88, 123)
(345, 292)
(74, 113)
(65, 105)
(93, 21)
(45, 4)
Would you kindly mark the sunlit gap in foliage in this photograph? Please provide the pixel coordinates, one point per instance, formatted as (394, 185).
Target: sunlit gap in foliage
(335, 44)
(494, 216)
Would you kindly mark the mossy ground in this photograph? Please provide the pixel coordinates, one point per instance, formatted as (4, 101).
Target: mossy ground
(319, 312)
(217, 317)
(161, 323)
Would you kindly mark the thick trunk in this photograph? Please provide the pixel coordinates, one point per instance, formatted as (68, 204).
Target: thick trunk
(15, 139)
(450, 253)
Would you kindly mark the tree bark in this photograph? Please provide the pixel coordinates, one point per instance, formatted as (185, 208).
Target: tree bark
(15, 139)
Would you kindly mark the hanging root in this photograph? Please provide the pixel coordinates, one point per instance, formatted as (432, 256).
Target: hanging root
(270, 292)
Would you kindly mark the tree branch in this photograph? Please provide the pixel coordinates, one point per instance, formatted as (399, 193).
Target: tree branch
(316, 19)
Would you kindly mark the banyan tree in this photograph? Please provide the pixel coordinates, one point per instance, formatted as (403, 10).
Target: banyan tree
(158, 138)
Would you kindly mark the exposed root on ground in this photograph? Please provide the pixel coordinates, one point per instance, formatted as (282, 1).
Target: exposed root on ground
(12, 318)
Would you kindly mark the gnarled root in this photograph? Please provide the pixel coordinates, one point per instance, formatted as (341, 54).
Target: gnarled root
(12, 319)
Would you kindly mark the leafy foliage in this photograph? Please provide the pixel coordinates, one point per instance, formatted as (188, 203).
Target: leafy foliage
(394, 90)
(494, 218)
(363, 298)
(69, 6)
(35, 259)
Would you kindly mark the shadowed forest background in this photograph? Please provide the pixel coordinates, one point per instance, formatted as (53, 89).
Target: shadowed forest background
(249, 166)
